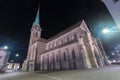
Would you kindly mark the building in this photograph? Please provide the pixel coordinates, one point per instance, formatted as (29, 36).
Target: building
(4, 56)
(24, 65)
(13, 66)
(114, 8)
(73, 48)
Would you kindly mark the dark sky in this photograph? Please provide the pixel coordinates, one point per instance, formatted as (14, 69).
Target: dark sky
(17, 16)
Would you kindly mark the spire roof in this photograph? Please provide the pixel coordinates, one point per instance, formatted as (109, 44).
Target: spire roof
(36, 22)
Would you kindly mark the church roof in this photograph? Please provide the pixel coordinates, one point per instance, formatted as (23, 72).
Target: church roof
(36, 22)
(65, 31)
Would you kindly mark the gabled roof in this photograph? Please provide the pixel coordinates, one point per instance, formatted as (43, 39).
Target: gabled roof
(65, 31)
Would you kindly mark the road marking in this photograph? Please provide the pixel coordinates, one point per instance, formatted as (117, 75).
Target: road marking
(51, 77)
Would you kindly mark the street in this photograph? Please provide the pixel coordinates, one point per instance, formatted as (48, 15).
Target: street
(106, 73)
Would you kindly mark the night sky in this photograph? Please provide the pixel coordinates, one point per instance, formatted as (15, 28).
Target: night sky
(17, 17)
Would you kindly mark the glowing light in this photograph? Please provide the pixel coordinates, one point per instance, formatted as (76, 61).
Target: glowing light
(113, 53)
(17, 55)
(105, 31)
(5, 47)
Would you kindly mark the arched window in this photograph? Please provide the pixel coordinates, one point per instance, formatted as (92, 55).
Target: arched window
(73, 55)
(48, 46)
(37, 34)
(68, 38)
(75, 36)
(43, 59)
(52, 44)
(62, 41)
(57, 57)
(57, 43)
(71, 37)
(65, 58)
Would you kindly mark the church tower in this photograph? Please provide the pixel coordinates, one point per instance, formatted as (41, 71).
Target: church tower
(34, 37)
(35, 30)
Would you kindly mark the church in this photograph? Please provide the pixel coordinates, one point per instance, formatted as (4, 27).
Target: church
(73, 48)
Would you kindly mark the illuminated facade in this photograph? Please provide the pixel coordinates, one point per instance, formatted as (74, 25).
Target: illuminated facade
(4, 56)
(114, 8)
(73, 48)
(13, 66)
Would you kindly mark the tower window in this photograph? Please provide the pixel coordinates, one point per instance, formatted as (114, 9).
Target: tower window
(37, 35)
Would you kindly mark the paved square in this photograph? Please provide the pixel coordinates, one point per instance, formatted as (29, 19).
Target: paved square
(106, 73)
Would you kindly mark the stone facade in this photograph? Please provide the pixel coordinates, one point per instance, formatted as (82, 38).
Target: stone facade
(73, 48)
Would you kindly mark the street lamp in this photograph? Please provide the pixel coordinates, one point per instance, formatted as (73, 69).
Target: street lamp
(17, 55)
(5, 47)
(105, 30)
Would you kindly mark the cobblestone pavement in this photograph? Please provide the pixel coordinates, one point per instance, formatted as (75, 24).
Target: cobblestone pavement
(105, 73)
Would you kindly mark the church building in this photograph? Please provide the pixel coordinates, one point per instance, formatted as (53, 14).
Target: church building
(73, 48)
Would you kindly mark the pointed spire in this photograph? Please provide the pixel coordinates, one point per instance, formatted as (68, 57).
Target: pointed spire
(36, 22)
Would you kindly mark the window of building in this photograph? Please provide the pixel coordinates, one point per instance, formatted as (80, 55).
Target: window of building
(62, 41)
(75, 36)
(73, 55)
(65, 58)
(57, 43)
(43, 60)
(37, 34)
(52, 44)
(57, 57)
(49, 46)
(71, 37)
(68, 38)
